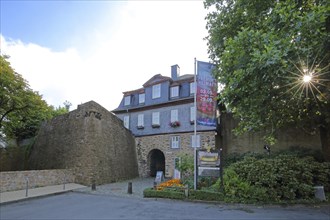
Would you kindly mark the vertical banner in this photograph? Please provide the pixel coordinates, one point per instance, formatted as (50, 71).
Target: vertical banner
(206, 96)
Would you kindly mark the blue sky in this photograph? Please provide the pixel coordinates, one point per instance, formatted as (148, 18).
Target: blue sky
(95, 50)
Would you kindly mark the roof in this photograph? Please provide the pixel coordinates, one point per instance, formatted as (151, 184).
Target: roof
(157, 79)
(136, 91)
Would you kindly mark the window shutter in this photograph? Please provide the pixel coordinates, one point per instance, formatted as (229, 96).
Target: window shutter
(126, 122)
(174, 115)
(140, 120)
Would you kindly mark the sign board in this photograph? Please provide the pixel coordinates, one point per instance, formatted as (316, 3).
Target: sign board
(209, 171)
(208, 163)
(159, 177)
(208, 159)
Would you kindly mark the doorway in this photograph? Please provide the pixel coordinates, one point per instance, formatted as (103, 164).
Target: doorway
(156, 161)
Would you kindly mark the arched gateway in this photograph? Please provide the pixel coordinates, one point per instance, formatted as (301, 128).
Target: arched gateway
(156, 161)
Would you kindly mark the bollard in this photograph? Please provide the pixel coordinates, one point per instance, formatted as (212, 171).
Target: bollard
(186, 190)
(129, 189)
(64, 180)
(27, 187)
(93, 185)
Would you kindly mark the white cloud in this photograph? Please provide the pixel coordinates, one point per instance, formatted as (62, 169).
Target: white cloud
(149, 37)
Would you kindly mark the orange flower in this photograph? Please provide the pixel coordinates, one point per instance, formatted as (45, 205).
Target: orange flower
(170, 183)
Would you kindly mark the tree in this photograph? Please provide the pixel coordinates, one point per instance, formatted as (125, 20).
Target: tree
(21, 109)
(273, 60)
(67, 105)
(59, 110)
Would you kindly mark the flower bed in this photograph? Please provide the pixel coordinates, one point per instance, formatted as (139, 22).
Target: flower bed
(173, 183)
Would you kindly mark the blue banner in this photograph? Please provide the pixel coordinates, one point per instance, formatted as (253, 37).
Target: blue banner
(206, 96)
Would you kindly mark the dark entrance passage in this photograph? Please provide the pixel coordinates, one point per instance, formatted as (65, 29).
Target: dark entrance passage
(157, 162)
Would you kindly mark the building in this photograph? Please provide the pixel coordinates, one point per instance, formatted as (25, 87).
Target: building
(161, 117)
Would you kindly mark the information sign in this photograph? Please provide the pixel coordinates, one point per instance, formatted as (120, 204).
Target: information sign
(159, 177)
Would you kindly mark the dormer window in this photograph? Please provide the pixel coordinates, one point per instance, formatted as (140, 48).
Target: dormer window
(174, 91)
(127, 100)
(142, 98)
(156, 91)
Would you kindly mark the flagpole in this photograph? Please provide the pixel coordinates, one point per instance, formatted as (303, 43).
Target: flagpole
(195, 128)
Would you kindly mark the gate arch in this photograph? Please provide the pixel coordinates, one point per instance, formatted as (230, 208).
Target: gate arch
(156, 162)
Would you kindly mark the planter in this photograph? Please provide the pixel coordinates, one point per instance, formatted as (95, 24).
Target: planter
(174, 124)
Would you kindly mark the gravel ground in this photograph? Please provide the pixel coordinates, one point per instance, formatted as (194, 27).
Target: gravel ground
(121, 188)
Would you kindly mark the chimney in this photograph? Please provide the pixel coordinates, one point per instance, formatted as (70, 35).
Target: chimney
(175, 71)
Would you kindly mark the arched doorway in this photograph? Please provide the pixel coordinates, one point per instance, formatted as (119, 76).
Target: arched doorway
(156, 160)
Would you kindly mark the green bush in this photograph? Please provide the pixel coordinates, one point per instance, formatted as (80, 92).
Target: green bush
(284, 177)
(296, 151)
(238, 190)
(301, 152)
(174, 194)
(205, 195)
(169, 194)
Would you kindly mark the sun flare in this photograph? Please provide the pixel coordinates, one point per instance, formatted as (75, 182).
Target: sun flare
(308, 79)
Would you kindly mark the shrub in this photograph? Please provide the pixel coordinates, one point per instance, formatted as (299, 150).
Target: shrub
(236, 189)
(186, 166)
(205, 195)
(285, 177)
(301, 152)
(169, 194)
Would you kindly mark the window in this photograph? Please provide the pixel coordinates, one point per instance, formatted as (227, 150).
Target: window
(156, 91)
(140, 120)
(192, 114)
(127, 100)
(174, 115)
(142, 97)
(126, 122)
(198, 140)
(192, 88)
(175, 142)
(174, 91)
(155, 118)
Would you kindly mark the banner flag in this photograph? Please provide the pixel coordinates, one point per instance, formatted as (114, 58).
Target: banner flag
(206, 96)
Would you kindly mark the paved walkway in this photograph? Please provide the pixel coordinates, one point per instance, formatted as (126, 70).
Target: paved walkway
(115, 189)
(121, 188)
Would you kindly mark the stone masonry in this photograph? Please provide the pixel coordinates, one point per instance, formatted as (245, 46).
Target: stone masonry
(89, 140)
(16, 180)
(146, 144)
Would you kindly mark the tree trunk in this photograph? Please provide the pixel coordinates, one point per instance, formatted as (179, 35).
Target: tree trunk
(325, 141)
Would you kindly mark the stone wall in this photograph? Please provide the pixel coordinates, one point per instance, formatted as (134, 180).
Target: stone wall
(89, 140)
(16, 180)
(253, 141)
(146, 144)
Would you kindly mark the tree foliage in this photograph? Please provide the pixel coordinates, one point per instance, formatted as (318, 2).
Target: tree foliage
(21, 109)
(263, 50)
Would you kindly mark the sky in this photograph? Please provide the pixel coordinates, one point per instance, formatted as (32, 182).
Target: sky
(95, 50)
